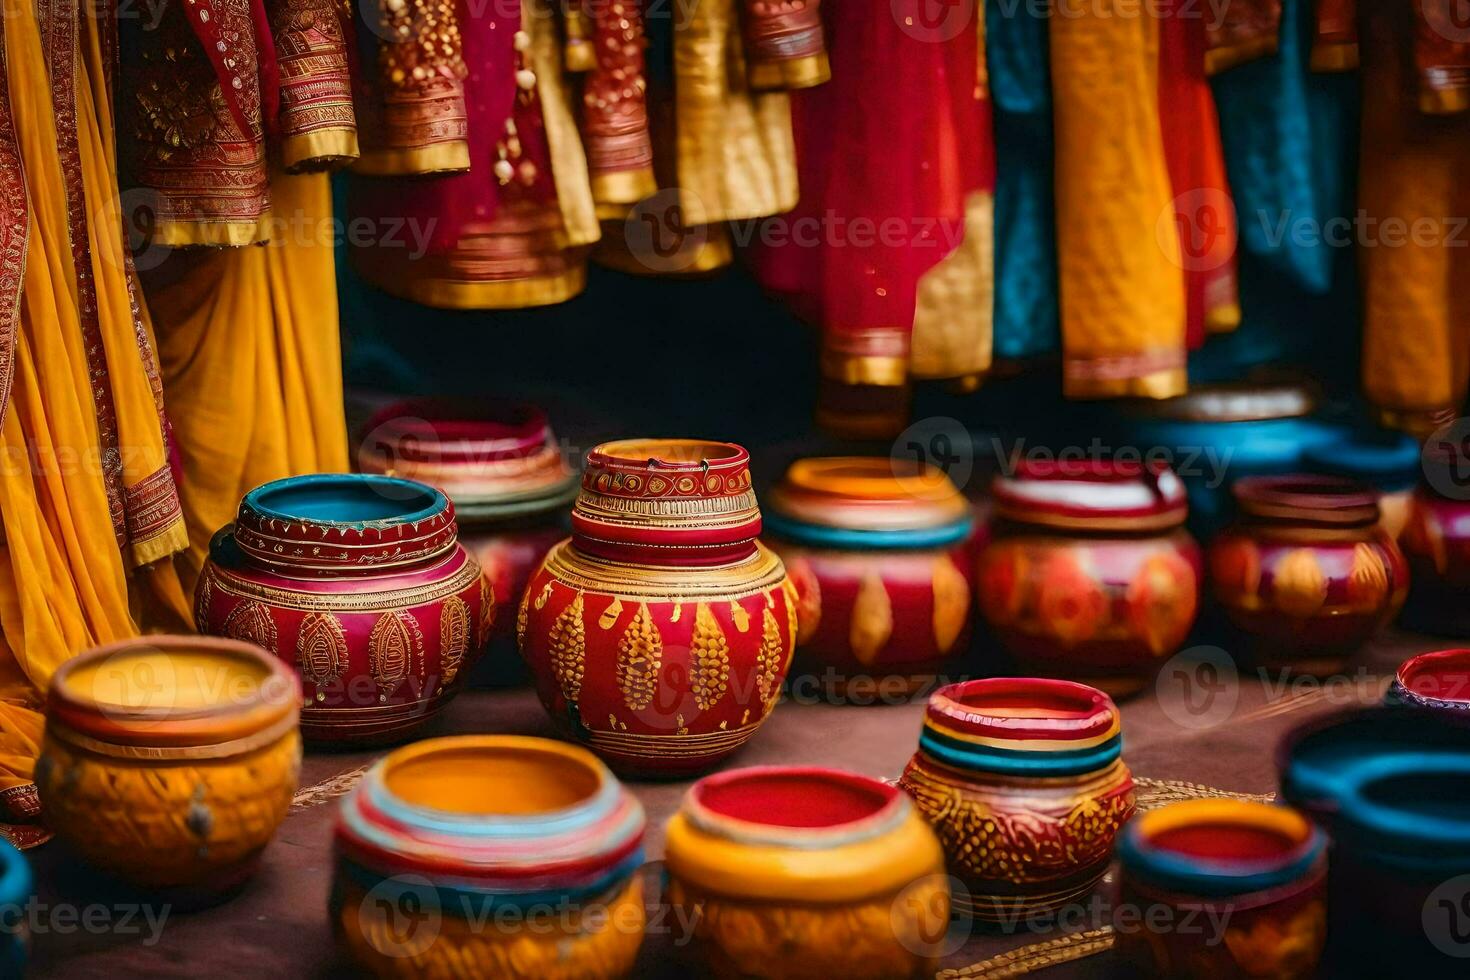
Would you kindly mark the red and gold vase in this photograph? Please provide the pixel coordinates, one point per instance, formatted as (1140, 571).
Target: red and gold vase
(661, 631)
(360, 582)
(1089, 572)
(1024, 781)
(1307, 570)
(1222, 888)
(500, 465)
(788, 872)
(879, 551)
(1436, 542)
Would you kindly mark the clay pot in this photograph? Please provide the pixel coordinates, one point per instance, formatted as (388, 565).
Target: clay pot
(360, 582)
(17, 887)
(169, 761)
(1386, 461)
(796, 872)
(1222, 888)
(511, 857)
(1089, 573)
(500, 465)
(660, 633)
(1306, 571)
(1436, 542)
(1435, 684)
(1023, 779)
(880, 554)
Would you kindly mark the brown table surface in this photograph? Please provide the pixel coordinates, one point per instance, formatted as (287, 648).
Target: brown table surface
(277, 926)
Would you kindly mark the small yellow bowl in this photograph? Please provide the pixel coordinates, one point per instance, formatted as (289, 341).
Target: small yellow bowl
(169, 761)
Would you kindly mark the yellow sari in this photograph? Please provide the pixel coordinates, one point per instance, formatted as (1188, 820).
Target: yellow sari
(85, 491)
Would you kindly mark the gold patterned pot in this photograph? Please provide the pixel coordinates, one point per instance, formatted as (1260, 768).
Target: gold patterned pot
(1307, 570)
(796, 872)
(660, 633)
(359, 581)
(169, 761)
(1024, 781)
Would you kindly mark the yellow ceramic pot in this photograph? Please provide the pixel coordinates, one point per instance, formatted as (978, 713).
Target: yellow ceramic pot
(794, 872)
(169, 761)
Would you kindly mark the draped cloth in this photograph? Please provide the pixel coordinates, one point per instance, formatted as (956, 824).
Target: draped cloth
(1122, 287)
(248, 343)
(1413, 193)
(85, 489)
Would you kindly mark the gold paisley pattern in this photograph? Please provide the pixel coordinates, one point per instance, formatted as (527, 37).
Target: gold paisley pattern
(203, 599)
(640, 656)
(710, 654)
(1367, 584)
(321, 649)
(454, 638)
(857, 941)
(951, 603)
(394, 646)
(487, 614)
(251, 622)
(770, 660)
(523, 617)
(872, 619)
(569, 649)
(1299, 587)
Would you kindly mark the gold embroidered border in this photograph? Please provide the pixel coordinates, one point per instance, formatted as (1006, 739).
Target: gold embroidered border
(14, 232)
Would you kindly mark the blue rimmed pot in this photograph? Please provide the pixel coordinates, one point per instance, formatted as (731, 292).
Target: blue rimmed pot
(514, 857)
(882, 554)
(360, 582)
(1222, 888)
(1024, 782)
(17, 887)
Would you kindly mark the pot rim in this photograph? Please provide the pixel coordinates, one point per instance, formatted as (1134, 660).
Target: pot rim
(891, 808)
(868, 501)
(1093, 494)
(273, 702)
(678, 455)
(509, 429)
(1307, 498)
(422, 502)
(1412, 675)
(1303, 846)
(1406, 832)
(989, 707)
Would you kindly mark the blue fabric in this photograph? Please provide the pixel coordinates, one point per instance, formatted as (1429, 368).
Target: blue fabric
(1026, 318)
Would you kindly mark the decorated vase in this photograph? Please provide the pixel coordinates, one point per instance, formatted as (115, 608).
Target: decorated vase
(1219, 888)
(794, 872)
(879, 551)
(1436, 541)
(360, 583)
(1231, 429)
(1089, 573)
(169, 761)
(17, 889)
(660, 632)
(1436, 685)
(490, 856)
(1307, 572)
(1024, 781)
(1386, 461)
(500, 465)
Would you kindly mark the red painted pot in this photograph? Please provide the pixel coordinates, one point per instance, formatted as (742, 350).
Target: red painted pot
(880, 554)
(500, 464)
(1436, 685)
(1089, 573)
(661, 631)
(1307, 571)
(1436, 542)
(360, 582)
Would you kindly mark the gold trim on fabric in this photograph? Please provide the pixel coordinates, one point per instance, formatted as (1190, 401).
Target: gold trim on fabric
(1443, 102)
(1223, 59)
(805, 72)
(506, 294)
(851, 369)
(1334, 57)
(705, 249)
(440, 158)
(319, 149)
(1165, 383)
(1418, 422)
(1223, 319)
(953, 325)
(180, 234)
(563, 139)
(622, 188)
